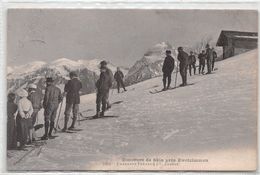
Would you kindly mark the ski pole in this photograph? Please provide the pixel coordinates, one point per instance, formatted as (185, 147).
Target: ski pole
(57, 124)
(176, 75)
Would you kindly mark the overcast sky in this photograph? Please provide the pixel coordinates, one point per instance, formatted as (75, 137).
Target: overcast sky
(120, 36)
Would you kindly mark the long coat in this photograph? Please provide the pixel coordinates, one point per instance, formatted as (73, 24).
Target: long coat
(183, 58)
(119, 75)
(105, 81)
(52, 96)
(168, 65)
(72, 88)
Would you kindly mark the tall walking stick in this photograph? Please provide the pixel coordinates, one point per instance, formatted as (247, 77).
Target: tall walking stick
(57, 124)
(176, 75)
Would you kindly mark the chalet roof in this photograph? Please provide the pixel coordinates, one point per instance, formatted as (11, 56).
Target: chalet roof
(222, 40)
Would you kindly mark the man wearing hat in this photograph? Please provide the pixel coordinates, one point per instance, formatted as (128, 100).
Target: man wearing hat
(51, 101)
(103, 85)
(192, 62)
(119, 76)
(71, 90)
(183, 58)
(36, 99)
(202, 58)
(168, 66)
(209, 57)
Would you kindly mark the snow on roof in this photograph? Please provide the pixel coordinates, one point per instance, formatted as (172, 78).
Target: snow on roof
(248, 37)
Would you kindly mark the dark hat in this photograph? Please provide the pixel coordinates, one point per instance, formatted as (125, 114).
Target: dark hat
(180, 48)
(103, 63)
(49, 80)
(168, 52)
(73, 74)
(207, 45)
(191, 51)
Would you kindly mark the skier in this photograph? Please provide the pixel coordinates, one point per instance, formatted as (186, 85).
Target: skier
(11, 128)
(119, 76)
(192, 62)
(214, 58)
(23, 118)
(36, 99)
(72, 89)
(209, 57)
(202, 58)
(168, 66)
(51, 101)
(103, 85)
(183, 58)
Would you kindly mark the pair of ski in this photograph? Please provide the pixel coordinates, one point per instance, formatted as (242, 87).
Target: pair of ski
(70, 131)
(156, 91)
(37, 145)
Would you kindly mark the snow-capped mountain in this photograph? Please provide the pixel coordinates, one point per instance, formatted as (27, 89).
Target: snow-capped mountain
(150, 65)
(93, 65)
(24, 70)
(35, 72)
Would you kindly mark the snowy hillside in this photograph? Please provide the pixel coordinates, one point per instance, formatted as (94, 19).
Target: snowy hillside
(150, 65)
(213, 119)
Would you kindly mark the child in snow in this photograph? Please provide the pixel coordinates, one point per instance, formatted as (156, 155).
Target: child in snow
(11, 128)
(23, 118)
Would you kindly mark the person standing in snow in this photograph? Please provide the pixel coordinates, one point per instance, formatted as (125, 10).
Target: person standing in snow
(11, 127)
(183, 58)
(192, 62)
(103, 85)
(209, 57)
(51, 101)
(25, 111)
(36, 99)
(214, 58)
(202, 58)
(119, 77)
(168, 67)
(71, 90)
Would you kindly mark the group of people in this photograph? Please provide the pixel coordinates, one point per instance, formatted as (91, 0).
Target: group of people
(24, 105)
(22, 116)
(187, 62)
(23, 111)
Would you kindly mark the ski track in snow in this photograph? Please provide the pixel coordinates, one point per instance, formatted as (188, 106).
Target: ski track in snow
(217, 112)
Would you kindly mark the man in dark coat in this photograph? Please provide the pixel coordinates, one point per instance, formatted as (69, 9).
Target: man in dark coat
(119, 76)
(103, 85)
(36, 98)
(202, 58)
(183, 58)
(192, 62)
(168, 66)
(214, 58)
(72, 89)
(51, 101)
(11, 126)
(209, 57)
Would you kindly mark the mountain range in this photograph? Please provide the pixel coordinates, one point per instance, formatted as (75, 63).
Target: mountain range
(149, 66)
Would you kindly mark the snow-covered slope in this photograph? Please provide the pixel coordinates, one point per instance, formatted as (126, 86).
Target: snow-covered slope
(213, 119)
(150, 65)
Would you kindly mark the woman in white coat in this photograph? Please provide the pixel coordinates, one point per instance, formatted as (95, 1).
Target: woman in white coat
(25, 111)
